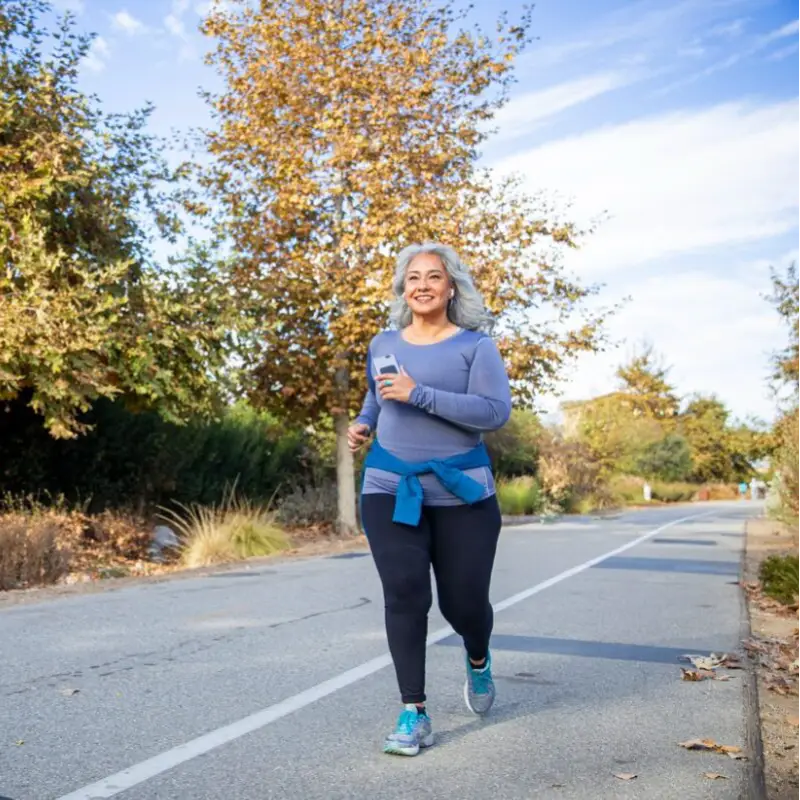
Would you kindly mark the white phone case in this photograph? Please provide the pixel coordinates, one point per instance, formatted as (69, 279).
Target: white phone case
(385, 365)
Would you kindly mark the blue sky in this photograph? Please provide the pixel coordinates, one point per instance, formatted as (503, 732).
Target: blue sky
(678, 118)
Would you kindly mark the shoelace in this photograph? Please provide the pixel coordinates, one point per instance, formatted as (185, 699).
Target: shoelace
(406, 722)
(480, 681)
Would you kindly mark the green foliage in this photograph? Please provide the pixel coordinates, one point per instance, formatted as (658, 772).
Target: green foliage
(785, 299)
(779, 578)
(143, 461)
(85, 312)
(668, 459)
(514, 449)
(663, 492)
(519, 496)
(309, 505)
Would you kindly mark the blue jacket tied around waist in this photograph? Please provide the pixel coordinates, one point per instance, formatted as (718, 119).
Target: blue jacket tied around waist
(449, 471)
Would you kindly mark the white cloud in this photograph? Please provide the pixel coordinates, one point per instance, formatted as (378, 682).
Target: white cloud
(789, 29)
(716, 331)
(783, 52)
(757, 45)
(98, 55)
(729, 30)
(523, 112)
(175, 26)
(643, 24)
(675, 183)
(123, 21)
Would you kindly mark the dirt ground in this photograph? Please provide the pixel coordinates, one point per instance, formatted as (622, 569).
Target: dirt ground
(773, 649)
(305, 544)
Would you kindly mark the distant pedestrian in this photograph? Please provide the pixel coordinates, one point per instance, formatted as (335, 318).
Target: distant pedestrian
(436, 383)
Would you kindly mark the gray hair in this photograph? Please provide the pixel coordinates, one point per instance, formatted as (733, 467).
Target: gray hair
(466, 309)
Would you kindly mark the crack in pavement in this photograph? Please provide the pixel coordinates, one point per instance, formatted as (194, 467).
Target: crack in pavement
(186, 648)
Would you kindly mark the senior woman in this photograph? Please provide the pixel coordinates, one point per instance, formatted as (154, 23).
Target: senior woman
(436, 383)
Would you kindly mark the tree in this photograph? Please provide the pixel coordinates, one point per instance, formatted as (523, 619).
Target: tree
(668, 459)
(644, 381)
(85, 312)
(720, 451)
(346, 131)
(785, 299)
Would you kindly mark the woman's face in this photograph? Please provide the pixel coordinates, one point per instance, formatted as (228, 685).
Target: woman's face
(427, 287)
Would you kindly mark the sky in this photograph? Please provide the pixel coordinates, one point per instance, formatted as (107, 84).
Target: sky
(673, 121)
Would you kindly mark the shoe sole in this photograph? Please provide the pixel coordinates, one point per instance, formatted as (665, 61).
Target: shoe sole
(393, 750)
(469, 704)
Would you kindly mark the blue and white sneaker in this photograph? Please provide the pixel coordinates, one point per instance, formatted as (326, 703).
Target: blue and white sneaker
(413, 732)
(479, 691)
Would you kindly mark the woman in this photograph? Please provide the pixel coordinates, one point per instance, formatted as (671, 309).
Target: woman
(436, 383)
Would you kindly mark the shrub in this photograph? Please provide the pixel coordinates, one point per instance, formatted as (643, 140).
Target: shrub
(779, 578)
(142, 462)
(627, 489)
(722, 491)
(668, 459)
(519, 496)
(234, 529)
(309, 505)
(514, 449)
(673, 492)
(32, 550)
(568, 470)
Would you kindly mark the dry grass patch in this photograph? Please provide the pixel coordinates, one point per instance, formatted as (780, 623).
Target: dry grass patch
(233, 530)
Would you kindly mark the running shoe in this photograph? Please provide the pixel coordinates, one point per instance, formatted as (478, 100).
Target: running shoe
(412, 733)
(479, 691)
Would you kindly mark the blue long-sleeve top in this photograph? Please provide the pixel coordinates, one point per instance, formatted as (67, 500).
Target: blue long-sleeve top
(462, 392)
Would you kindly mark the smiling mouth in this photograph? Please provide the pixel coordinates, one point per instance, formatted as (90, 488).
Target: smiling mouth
(423, 298)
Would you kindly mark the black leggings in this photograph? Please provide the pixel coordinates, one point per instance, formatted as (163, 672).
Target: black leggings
(460, 543)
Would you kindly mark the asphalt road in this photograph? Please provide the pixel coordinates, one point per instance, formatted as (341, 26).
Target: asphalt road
(274, 682)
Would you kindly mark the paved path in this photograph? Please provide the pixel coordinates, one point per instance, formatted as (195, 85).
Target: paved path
(274, 683)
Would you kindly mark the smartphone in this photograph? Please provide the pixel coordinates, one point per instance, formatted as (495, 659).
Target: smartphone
(385, 365)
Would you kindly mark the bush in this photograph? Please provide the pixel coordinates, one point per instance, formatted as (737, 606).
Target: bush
(673, 492)
(627, 489)
(668, 459)
(568, 471)
(232, 530)
(787, 463)
(779, 578)
(33, 551)
(519, 496)
(309, 505)
(514, 449)
(721, 491)
(140, 461)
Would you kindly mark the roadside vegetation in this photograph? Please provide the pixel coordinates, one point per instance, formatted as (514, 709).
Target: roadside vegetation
(136, 390)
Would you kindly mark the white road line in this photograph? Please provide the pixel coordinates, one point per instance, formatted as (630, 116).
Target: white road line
(158, 764)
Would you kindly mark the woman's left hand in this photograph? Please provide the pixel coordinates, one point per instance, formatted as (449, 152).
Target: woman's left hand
(396, 387)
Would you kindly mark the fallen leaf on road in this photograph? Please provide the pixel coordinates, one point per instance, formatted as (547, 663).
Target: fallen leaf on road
(625, 776)
(697, 674)
(715, 776)
(19, 742)
(69, 692)
(709, 744)
(729, 660)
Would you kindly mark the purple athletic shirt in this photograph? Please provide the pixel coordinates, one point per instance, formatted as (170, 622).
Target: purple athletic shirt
(462, 391)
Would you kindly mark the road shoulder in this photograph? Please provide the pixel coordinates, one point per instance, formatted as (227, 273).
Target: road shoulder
(772, 647)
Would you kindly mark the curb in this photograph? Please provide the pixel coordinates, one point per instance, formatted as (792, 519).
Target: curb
(754, 787)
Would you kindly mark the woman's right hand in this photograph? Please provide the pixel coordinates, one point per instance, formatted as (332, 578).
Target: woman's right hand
(357, 435)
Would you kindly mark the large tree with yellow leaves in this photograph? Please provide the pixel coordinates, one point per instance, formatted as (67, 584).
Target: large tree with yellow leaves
(348, 129)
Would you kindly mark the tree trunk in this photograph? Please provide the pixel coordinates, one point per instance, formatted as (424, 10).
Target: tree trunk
(345, 480)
